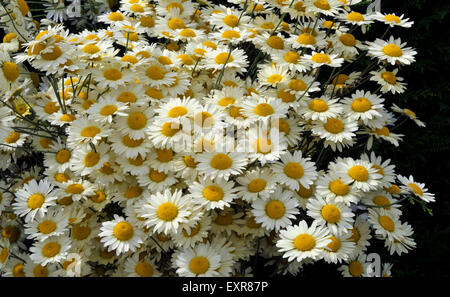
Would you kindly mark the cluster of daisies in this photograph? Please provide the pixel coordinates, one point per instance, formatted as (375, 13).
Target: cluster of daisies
(186, 138)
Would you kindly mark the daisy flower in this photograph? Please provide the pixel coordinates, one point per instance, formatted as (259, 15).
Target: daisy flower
(356, 18)
(384, 223)
(325, 7)
(136, 122)
(34, 198)
(360, 234)
(177, 109)
(120, 235)
(84, 131)
(384, 168)
(257, 183)
(166, 211)
(202, 260)
(212, 194)
(339, 249)
(137, 266)
(53, 223)
(52, 250)
(317, 59)
(409, 113)
(277, 211)
(321, 109)
(336, 216)
(392, 51)
(392, 20)
(388, 80)
(273, 75)
(270, 44)
(363, 106)
(86, 160)
(293, 170)
(360, 173)
(220, 165)
(301, 242)
(234, 59)
(263, 108)
(356, 266)
(105, 109)
(312, 40)
(330, 186)
(418, 189)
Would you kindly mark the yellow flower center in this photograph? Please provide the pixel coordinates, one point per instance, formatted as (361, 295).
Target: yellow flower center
(230, 34)
(9, 37)
(257, 185)
(339, 188)
(167, 211)
(275, 42)
(297, 85)
(99, 197)
(176, 23)
(147, 21)
(51, 249)
(190, 161)
(294, 170)
(321, 58)
(127, 97)
(274, 78)
(35, 201)
(177, 111)
(355, 235)
(335, 244)
(304, 242)
(19, 270)
(112, 74)
(392, 50)
(75, 189)
(275, 209)
(80, 232)
(304, 192)
(382, 131)
(169, 131)
(40, 271)
(157, 176)
(334, 126)
(263, 145)
(300, 6)
(52, 55)
(392, 18)
(355, 268)
(358, 173)
(221, 161)
(318, 105)
(129, 142)
(164, 155)
(154, 93)
(51, 107)
(91, 159)
(306, 39)
(123, 231)
(4, 255)
(133, 192)
(322, 4)
(61, 177)
(222, 58)
(115, 16)
(331, 213)
(291, 57)
(91, 49)
(348, 39)
(224, 219)
(394, 189)
(387, 223)
(355, 17)
(12, 137)
(263, 109)
(389, 77)
(47, 227)
(155, 72)
(381, 201)
(144, 269)
(199, 265)
(361, 104)
(137, 120)
(10, 71)
(213, 193)
(137, 8)
(416, 189)
(231, 20)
